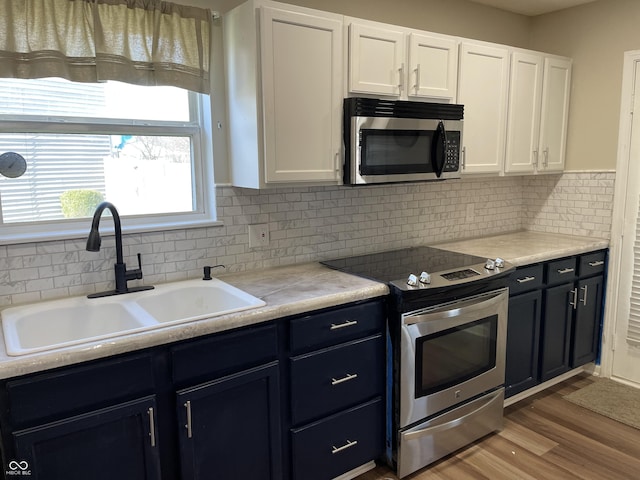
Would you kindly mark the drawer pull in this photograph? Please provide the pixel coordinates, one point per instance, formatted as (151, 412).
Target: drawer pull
(348, 323)
(525, 279)
(187, 406)
(565, 270)
(344, 379)
(574, 303)
(597, 263)
(584, 300)
(349, 444)
(152, 426)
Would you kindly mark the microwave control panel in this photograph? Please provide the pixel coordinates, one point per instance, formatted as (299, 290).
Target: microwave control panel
(452, 156)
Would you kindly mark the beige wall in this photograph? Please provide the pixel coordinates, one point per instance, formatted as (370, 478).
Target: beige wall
(595, 35)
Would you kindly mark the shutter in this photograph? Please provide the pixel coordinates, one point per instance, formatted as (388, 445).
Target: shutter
(633, 331)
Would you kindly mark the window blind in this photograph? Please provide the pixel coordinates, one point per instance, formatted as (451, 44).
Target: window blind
(633, 330)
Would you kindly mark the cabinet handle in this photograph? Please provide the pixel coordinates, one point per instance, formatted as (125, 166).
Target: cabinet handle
(350, 376)
(525, 279)
(401, 75)
(337, 164)
(348, 323)
(545, 160)
(464, 157)
(535, 159)
(596, 263)
(152, 426)
(349, 444)
(565, 270)
(417, 85)
(188, 425)
(584, 299)
(574, 304)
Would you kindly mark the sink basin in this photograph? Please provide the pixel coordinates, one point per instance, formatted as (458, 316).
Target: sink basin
(194, 300)
(73, 321)
(61, 323)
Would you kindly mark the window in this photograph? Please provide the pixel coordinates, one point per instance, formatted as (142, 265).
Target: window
(141, 148)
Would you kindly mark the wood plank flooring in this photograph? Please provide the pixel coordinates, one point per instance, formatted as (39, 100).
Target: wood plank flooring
(545, 438)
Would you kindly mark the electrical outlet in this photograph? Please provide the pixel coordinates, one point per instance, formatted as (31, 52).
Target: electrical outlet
(258, 235)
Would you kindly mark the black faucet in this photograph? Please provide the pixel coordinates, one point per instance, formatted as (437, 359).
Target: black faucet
(122, 274)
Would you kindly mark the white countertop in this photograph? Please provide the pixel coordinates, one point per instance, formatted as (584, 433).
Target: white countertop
(288, 290)
(526, 247)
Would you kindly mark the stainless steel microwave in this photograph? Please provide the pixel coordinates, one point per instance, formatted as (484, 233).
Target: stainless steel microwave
(390, 141)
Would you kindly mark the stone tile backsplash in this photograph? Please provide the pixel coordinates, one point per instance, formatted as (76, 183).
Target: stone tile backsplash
(315, 223)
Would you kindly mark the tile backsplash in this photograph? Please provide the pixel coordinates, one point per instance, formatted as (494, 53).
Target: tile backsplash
(315, 223)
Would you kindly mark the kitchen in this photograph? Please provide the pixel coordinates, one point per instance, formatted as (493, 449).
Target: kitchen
(313, 223)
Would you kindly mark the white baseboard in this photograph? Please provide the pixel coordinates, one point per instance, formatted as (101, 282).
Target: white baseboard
(589, 368)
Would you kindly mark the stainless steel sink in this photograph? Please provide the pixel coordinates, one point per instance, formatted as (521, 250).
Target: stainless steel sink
(74, 321)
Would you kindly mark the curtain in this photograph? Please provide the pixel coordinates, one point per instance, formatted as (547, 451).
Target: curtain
(144, 42)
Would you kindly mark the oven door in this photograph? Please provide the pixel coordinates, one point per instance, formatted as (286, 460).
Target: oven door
(451, 353)
(402, 149)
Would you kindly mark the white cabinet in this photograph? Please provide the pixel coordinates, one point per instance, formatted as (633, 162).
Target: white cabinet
(402, 63)
(538, 113)
(483, 89)
(555, 113)
(285, 90)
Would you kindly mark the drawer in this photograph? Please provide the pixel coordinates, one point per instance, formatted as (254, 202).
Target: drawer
(338, 325)
(336, 378)
(338, 444)
(592, 263)
(526, 278)
(224, 353)
(72, 390)
(560, 271)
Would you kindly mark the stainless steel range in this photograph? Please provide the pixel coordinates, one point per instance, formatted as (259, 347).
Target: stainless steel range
(447, 328)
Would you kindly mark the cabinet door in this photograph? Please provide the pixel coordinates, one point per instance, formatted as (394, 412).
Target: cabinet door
(433, 67)
(230, 428)
(523, 132)
(586, 327)
(556, 330)
(302, 96)
(376, 60)
(523, 334)
(483, 88)
(555, 113)
(118, 442)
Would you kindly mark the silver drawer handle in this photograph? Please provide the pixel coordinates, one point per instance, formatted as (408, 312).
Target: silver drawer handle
(525, 279)
(152, 426)
(584, 299)
(574, 303)
(349, 444)
(188, 425)
(565, 270)
(596, 264)
(344, 379)
(348, 323)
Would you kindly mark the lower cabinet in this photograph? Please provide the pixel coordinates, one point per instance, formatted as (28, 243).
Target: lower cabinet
(229, 427)
(228, 406)
(555, 314)
(116, 442)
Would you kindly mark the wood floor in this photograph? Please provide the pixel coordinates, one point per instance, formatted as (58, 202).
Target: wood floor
(546, 438)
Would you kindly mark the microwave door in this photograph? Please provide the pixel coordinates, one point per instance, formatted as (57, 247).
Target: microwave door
(439, 149)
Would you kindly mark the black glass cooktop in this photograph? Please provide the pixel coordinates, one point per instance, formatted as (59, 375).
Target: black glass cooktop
(397, 265)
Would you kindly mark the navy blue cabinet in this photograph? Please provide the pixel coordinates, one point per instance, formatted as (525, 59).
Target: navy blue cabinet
(296, 398)
(555, 315)
(117, 442)
(230, 427)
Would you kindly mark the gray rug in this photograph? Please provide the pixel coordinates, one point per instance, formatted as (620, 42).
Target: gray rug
(611, 399)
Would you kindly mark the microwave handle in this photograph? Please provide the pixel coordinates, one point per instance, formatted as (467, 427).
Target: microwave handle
(439, 149)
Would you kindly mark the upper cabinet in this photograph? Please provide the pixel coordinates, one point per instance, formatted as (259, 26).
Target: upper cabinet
(538, 113)
(402, 63)
(483, 89)
(285, 90)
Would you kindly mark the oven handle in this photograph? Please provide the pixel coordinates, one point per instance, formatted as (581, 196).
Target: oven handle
(457, 308)
(451, 424)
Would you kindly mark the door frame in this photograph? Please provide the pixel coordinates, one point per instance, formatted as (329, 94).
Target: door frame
(631, 62)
